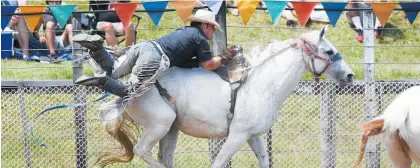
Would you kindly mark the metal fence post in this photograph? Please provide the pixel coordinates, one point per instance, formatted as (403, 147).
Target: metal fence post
(25, 124)
(372, 148)
(79, 96)
(219, 44)
(328, 119)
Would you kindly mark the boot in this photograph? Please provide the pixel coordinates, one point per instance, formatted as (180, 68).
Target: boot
(91, 79)
(91, 42)
(104, 60)
(113, 86)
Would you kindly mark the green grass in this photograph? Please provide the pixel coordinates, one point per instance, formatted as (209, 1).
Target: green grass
(261, 31)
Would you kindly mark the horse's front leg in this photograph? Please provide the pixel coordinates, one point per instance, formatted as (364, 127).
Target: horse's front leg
(257, 146)
(232, 144)
(167, 147)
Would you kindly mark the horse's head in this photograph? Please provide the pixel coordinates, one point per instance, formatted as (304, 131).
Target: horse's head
(236, 49)
(324, 58)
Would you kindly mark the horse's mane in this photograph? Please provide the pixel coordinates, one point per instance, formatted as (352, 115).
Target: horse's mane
(260, 53)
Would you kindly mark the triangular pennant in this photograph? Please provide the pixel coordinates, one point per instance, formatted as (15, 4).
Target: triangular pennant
(333, 10)
(62, 13)
(183, 8)
(125, 11)
(6, 19)
(383, 10)
(246, 9)
(303, 11)
(32, 20)
(275, 8)
(411, 9)
(150, 7)
(214, 5)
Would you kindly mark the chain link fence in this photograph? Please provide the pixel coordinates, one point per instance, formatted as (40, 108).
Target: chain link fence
(318, 126)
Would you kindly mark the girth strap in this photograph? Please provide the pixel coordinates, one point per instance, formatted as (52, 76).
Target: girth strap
(164, 93)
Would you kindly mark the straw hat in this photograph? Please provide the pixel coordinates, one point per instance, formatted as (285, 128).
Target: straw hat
(205, 16)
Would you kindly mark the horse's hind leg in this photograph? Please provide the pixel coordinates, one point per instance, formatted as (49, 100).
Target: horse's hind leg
(157, 117)
(257, 146)
(167, 147)
(152, 135)
(396, 151)
(232, 144)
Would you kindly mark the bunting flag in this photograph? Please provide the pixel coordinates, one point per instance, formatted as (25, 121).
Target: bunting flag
(333, 10)
(246, 9)
(6, 19)
(183, 8)
(214, 5)
(275, 8)
(152, 6)
(383, 10)
(32, 20)
(125, 12)
(303, 10)
(411, 9)
(62, 13)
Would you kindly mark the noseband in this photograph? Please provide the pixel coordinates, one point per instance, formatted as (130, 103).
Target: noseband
(311, 50)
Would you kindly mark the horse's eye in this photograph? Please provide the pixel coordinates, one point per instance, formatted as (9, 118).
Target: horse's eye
(330, 52)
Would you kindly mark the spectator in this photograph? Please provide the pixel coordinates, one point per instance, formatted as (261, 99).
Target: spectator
(18, 24)
(356, 22)
(111, 23)
(55, 37)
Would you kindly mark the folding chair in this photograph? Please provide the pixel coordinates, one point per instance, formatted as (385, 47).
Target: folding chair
(92, 22)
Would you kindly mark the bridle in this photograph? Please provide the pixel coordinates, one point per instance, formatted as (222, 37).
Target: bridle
(310, 49)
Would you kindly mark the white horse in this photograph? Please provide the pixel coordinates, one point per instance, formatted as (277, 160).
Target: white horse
(399, 127)
(203, 101)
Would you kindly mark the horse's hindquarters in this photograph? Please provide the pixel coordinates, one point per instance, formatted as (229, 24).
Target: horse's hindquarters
(202, 101)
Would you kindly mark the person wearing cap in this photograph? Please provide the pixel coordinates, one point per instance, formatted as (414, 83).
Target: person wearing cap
(186, 47)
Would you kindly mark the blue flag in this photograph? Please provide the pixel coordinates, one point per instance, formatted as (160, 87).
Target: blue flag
(411, 9)
(275, 8)
(6, 19)
(152, 7)
(62, 13)
(333, 10)
(214, 5)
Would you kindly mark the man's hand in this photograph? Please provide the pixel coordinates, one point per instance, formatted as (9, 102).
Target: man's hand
(15, 18)
(227, 55)
(42, 39)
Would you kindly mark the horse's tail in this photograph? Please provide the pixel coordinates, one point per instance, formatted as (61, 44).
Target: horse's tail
(121, 128)
(372, 128)
(392, 121)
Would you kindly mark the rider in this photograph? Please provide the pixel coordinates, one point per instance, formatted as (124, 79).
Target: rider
(147, 59)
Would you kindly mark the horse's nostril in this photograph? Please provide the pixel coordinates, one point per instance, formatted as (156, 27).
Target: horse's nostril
(350, 76)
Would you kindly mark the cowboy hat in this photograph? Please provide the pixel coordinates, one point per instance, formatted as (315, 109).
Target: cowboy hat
(205, 16)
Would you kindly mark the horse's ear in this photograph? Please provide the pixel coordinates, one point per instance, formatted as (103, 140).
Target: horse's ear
(323, 31)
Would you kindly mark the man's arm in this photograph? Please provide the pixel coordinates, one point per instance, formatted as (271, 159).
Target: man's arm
(212, 64)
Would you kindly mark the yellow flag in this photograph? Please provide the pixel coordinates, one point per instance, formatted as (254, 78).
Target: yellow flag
(183, 8)
(32, 20)
(383, 10)
(246, 9)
